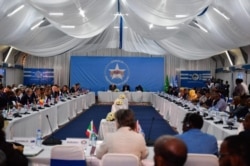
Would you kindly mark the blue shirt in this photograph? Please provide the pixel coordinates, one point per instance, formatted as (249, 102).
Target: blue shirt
(199, 142)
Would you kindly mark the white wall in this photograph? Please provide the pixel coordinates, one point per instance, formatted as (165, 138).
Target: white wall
(14, 76)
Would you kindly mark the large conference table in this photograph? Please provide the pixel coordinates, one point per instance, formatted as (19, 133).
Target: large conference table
(175, 115)
(59, 114)
(138, 96)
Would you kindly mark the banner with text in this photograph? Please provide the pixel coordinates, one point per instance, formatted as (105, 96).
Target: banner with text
(38, 76)
(192, 79)
(97, 73)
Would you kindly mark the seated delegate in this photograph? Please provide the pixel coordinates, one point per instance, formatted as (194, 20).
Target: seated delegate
(170, 151)
(13, 153)
(139, 88)
(126, 87)
(125, 139)
(112, 87)
(194, 138)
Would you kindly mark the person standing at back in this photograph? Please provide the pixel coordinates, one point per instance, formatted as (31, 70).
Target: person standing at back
(169, 151)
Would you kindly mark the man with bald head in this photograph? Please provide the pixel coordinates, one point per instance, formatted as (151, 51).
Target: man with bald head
(169, 151)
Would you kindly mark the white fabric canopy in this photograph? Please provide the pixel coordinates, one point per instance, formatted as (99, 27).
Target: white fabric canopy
(163, 27)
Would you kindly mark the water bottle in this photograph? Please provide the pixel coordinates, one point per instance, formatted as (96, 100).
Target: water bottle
(38, 138)
(93, 139)
(235, 120)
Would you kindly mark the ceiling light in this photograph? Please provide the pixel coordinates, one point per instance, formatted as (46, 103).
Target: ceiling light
(9, 52)
(201, 27)
(68, 26)
(81, 12)
(181, 16)
(220, 13)
(151, 26)
(37, 25)
(172, 27)
(56, 14)
(229, 59)
(116, 27)
(15, 11)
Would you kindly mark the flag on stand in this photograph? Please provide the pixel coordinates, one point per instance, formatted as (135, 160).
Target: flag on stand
(91, 128)
(166, 86)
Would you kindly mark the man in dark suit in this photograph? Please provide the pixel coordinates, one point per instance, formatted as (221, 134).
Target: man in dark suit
(126, 87)
(27, 98)
(112, 87)
(75, 88)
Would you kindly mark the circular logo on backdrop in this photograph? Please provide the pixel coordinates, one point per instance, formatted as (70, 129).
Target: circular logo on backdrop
(195, 76)
(38, 74)
(116, 72)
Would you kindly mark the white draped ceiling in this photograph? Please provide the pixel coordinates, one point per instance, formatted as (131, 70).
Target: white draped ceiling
(189, 29)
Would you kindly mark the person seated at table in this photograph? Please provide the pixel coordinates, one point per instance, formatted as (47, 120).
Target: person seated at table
(218, 102)
(169, 150)
(125, 139)
(75, 88)
(139, 88)
(192, 95)
(112, 87)
(208, 103)
(55, 91)
(194, 138)
(27, 98)
(235, 151)
(246, 126)
(13, 152)
(241, 109)
(65, 90)
(126, 87)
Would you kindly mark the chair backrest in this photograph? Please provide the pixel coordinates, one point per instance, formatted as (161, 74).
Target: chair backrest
(116, 159)
(67, 155)
(201, 159)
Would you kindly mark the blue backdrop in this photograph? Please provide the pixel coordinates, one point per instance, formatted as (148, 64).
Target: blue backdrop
(97, 73)
(38, 76)
(192, 79)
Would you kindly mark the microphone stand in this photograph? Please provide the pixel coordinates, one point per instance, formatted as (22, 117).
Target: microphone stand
(51, 140)
(148, 141)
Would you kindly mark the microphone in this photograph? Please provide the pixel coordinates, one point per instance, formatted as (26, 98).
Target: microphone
(148, 141)
(51, 140)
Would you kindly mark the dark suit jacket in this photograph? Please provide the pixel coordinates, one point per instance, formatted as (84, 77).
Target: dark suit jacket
(26, 99)
(126, 88)
(112, 87)
(13, 157)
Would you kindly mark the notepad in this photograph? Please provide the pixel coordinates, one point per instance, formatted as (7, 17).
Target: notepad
(32, 150)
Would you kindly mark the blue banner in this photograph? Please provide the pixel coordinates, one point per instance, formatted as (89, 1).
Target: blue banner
(38, 76)
(191, 79)
(97, 73)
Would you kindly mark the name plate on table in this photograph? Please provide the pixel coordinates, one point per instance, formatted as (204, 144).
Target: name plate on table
(76, 141)
(25, 141)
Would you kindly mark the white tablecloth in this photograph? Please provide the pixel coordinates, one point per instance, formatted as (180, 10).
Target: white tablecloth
(131, 96)
(58, 114)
